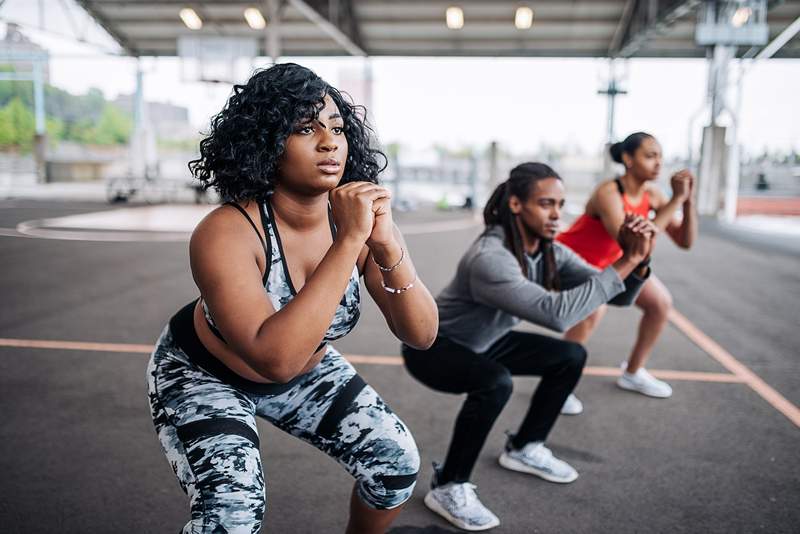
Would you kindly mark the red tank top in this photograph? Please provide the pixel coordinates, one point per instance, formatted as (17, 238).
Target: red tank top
(589, 239)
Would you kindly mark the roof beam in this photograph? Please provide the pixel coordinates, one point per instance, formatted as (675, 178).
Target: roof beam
(777, 43)
(110, 28)
(644, 19)
(349, 37)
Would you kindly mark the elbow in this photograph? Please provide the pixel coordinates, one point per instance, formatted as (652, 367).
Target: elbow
(559, 324)
(422, 342)
(276, 368)
(279, 374)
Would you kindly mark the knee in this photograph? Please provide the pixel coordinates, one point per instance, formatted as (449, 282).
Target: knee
(388, 476)
(660, 304)
(228, 492)
(574, 356)
(665, 302)
(596, 316)
(232, 505)
(497, 388)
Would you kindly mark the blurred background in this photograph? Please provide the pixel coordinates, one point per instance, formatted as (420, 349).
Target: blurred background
(103, 104)
(109, 99)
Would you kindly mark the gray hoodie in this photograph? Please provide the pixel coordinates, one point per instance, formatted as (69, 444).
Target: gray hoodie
(490, 295)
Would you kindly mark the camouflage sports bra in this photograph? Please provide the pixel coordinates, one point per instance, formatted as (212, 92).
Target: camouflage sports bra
(278, 282)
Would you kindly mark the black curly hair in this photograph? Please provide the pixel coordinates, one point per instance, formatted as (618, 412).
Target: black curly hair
(241, 154)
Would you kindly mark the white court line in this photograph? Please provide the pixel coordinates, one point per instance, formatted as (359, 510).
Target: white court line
(38, 229)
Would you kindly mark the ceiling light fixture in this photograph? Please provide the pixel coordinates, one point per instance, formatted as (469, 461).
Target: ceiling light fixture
(523, 19)
(455, 17)
(254, 18)
(741, 16)
(191, 18)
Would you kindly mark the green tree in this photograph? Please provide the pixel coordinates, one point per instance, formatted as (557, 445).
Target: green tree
(114, 127)
(16, 125)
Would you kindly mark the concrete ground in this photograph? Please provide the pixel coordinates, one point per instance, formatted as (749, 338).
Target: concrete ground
(78, 452)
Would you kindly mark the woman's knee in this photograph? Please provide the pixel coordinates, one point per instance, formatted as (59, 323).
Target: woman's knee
(596, 316)
(655, 299)
(228, 490)
(389, 468)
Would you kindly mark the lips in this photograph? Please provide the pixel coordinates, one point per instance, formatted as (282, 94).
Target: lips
(329, 166)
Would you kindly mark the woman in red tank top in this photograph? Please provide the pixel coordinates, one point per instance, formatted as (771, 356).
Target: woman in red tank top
(594, 236)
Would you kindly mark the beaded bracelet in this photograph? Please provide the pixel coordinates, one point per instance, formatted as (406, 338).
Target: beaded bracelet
(393, 267)
(398, 290)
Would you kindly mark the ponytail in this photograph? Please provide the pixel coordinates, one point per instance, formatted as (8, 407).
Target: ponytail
(628, 146)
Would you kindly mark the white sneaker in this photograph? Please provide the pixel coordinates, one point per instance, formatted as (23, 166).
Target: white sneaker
(536, 459)
(459, 504)
(643, 382)
(572, 406)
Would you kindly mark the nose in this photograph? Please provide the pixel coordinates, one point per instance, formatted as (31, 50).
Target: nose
(328, 142)
(555, 213)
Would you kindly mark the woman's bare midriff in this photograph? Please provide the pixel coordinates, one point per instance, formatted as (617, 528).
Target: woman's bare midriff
(233, 361)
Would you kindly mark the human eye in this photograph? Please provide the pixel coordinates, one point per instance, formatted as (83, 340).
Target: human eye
(337, 130)
(304, 129)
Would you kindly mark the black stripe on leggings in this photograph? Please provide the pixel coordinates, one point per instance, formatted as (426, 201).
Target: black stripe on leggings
(216, 427)
(336, 412)
(397, 482)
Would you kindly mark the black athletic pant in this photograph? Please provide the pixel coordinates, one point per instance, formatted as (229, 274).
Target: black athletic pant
(486, 378)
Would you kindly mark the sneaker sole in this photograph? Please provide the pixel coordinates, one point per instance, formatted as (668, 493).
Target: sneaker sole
(515, 465)
(628, 387)
(434, 506)
(578, 412)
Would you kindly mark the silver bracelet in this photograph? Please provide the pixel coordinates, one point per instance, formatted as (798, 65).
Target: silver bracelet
(393, 267)
(398, 290)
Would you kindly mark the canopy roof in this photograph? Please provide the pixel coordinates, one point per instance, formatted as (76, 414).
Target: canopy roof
(561, 28)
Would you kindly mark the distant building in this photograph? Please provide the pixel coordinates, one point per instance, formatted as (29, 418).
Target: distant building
(15, 45)
(168, 120)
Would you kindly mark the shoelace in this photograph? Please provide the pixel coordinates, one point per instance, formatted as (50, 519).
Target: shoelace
(540, 453)
(466, 494)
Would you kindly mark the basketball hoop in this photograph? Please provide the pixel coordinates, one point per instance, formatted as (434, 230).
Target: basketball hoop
(216, 59)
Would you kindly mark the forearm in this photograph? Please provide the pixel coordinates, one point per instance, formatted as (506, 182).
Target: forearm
(688, 229)
(286, 340)
(557, 310)
(410, 311)
(666, 213)
(633, 286)
(626, 265)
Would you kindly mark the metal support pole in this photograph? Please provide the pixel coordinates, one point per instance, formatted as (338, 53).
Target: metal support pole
(273, 30)
(611, 91)
(40, 136)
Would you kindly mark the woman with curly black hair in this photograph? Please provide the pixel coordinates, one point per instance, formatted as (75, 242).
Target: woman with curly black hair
(289, 152)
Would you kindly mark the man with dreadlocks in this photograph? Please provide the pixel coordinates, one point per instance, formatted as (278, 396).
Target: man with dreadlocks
(515, 271)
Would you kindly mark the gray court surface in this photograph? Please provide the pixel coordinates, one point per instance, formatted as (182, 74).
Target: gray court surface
(78, 453)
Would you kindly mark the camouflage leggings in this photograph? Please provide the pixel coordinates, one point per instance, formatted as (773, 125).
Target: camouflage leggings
(208, 431)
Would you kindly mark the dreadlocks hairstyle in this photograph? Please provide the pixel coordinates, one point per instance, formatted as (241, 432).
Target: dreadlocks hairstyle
(497, 212)
(241, 154)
